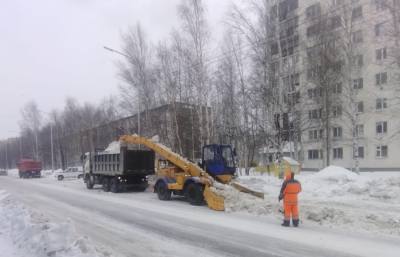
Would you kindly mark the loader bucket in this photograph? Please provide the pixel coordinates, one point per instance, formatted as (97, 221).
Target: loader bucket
(214, 201)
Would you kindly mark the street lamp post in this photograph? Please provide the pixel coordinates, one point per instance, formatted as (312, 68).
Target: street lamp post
(138, 91)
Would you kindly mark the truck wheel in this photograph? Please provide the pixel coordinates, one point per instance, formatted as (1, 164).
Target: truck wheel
(89, 182)
(60, 177)
(194, 194)
(106, 184)
(114, 185)
(163, 192)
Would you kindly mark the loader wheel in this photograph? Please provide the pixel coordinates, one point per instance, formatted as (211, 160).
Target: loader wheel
(114, 185)
(163, 192)
(106, 185)
(194, 194)
(89, 182)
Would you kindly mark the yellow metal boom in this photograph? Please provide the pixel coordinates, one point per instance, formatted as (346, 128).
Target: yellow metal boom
(168, 154)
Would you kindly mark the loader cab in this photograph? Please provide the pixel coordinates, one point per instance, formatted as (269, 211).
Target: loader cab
(218, 160)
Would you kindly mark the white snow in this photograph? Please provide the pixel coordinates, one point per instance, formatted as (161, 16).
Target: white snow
(113, 148)
(334, 197)
(291, 161)
(24, 232)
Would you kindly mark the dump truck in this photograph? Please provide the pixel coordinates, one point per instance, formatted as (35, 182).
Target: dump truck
(179, 176)
(28, 168)
(120, 169)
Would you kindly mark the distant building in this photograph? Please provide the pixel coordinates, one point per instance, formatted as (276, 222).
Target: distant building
(376, 80)
(176, 126)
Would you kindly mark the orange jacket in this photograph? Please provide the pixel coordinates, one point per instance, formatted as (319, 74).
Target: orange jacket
(289, 191)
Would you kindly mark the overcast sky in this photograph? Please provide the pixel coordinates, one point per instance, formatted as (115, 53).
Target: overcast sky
(53, 49)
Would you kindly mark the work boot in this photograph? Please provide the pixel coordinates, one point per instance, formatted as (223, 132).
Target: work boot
(286, 223)
(295, 223)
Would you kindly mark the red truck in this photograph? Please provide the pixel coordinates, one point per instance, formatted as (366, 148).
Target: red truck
(28, 168)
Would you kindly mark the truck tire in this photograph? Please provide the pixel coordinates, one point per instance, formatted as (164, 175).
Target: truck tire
(106, 184)
(114, 185)
(194, 194)
(60, 177)
(89, 182)
(163, 193)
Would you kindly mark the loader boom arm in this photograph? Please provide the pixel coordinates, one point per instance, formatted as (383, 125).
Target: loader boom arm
(166, 153)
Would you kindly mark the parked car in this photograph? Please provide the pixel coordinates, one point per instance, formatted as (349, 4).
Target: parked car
(3, 173)
(71, 172)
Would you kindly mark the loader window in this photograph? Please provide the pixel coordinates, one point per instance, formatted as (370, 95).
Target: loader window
(228, 157)
(208, 154)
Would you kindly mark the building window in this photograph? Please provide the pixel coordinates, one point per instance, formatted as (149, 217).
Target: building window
(358, 60)
(359, 152)
(356, 13)
(379, 29)
(381, 54)
(381, 78)
(315, 134)
(358, 83)
(381, 127)
(337, 111)
(338, 153)
(287, 6)
(314, 154)
(337, 132)
(382, 151)
(315, 114)
(381, 103)
(381, 5)
(274, 48)
(359, 130)
(337, 88)
(337, 2)
(313, 30)
(360, 107)
(314, 92)
(313, 11)
(357, 36)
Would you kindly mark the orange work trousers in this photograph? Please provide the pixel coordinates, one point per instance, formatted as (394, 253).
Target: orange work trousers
(291, 211)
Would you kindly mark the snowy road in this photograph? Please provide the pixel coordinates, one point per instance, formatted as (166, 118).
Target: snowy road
(138, 224)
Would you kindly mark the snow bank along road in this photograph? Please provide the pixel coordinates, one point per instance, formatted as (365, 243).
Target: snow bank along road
(138, 224)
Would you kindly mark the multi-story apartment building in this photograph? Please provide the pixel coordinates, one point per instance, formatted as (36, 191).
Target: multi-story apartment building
(335, 63)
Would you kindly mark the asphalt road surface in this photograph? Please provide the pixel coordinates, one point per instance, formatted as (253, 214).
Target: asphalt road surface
(138, 224)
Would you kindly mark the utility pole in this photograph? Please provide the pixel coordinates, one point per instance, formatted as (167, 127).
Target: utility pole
(52, 147)
(7, 154)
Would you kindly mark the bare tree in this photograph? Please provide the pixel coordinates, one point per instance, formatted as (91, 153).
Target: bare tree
(137, 73)
(196, 36)
(31, 121)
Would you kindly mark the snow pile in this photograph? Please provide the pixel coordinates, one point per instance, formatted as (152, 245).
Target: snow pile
(113, 148)
(236, 201)
(33, 235)
(336, 174)
(336, 197)
(13, 173)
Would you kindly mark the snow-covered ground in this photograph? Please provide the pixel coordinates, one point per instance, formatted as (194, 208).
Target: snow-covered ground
(334, 197)
(24, 232)
(362, 211)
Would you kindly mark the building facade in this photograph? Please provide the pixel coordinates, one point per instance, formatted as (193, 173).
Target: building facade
(336, 64)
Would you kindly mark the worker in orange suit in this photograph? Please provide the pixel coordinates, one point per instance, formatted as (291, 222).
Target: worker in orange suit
(289, 191)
